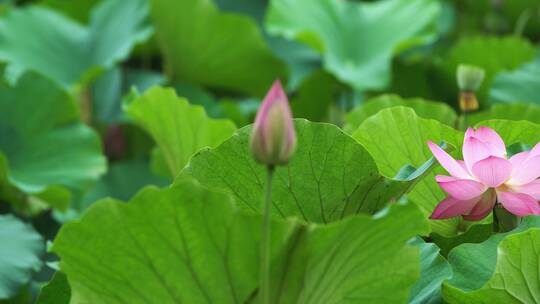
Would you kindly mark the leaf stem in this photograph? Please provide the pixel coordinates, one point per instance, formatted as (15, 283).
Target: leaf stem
(266, 240)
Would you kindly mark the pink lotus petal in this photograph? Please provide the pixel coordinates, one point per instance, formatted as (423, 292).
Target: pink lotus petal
(519, 204)
(532, 189)
(492, 139)
(445, 178)
(519, 158)
(473, 151)
(462, 164)
(535, 150)
(451, 207)
(527, 171)
(483, 207)
(447, 161)
(492, 171)
(461, 189)
(469, 133)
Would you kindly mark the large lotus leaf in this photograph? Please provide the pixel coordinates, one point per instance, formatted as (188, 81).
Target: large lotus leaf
(180, 245)
(187, 244)
(513, 132)
(356, 40)
(20, 250)
(205, 46)
(68, 51)
(423, 108)
(357, 260)
(509, 111)
(179, 129)
(329, 177)
(434, 269)
(42, 139)
(493, 54)
(397, 136)
(521, 85)
(503, 269)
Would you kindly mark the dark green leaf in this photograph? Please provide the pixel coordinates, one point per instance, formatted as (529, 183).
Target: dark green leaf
(57, 291)
(221, 50)
(315, 95)
(475, 234)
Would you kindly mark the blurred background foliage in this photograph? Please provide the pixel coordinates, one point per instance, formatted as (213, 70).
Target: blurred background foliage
(72, 130)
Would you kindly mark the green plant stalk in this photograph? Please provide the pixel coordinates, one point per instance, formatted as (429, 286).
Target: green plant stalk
(504, 221)
(266, 240)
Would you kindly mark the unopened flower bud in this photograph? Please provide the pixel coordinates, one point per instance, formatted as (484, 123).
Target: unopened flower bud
(273, 138)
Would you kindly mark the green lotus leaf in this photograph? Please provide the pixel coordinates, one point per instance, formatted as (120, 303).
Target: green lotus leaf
(520, 85)
(69, 52)
(205, 46)
(57, 291)
(434, 270)
(20, 250)
(329, 177)
(512, 132)
(179, 129)
(508, 111)
(397, 136)
(187, 244)
(43, 142)
(503, 269)
(423, 108)
(356, 40)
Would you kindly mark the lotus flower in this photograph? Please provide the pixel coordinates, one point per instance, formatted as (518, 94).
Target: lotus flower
(487, 176)
(273, 139)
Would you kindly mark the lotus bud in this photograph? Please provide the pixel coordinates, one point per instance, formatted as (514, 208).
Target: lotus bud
(469, 79)
(273, 138)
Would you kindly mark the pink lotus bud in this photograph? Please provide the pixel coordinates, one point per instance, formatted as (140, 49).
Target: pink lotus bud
(273, 139)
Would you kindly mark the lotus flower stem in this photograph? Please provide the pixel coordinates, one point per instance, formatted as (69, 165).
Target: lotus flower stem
(272, 143)
(266, 240)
